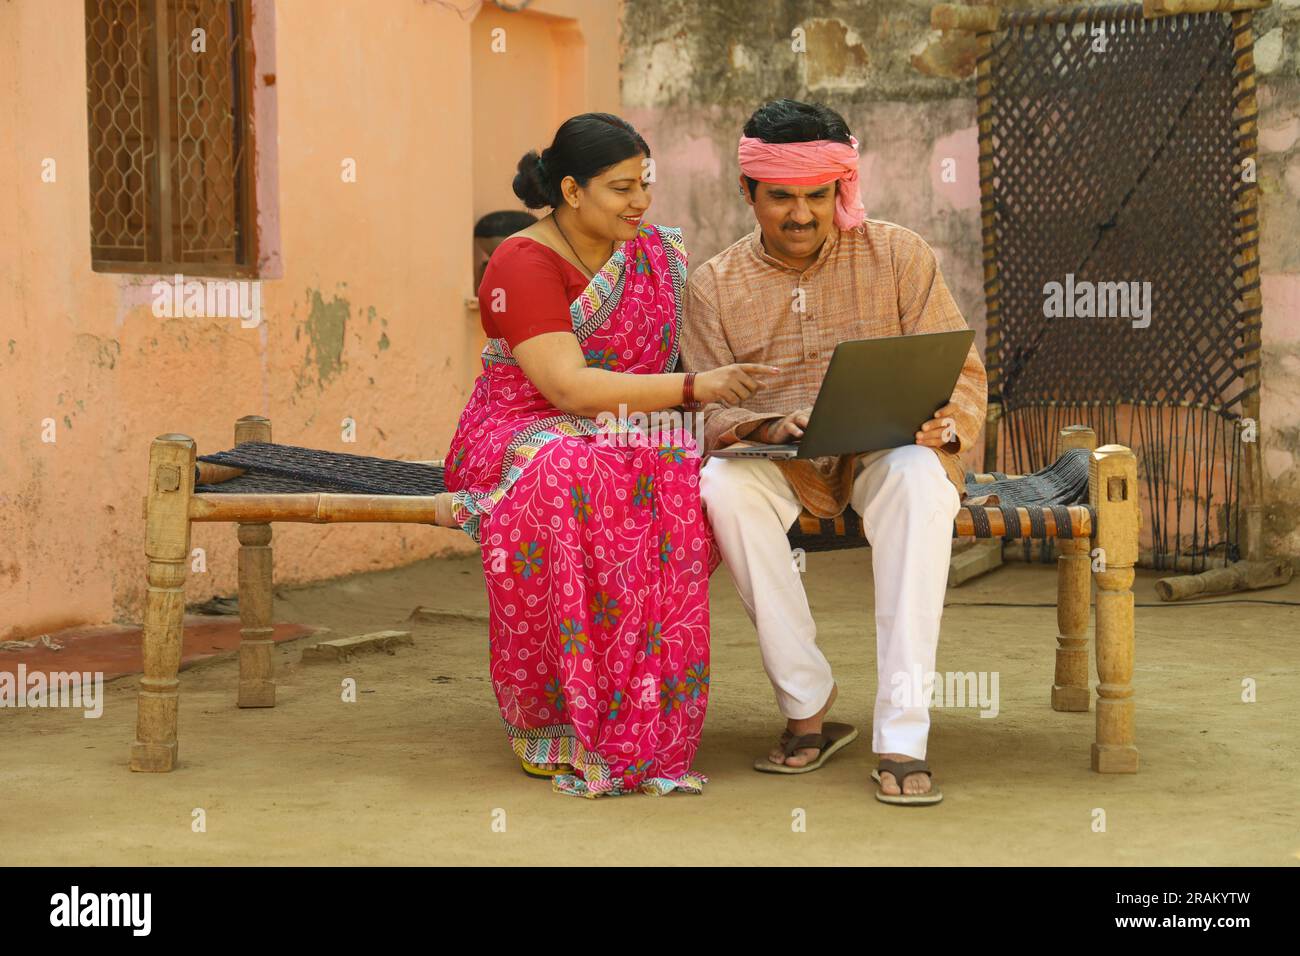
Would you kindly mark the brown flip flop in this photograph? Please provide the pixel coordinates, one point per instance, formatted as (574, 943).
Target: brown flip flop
(900, 769)
(833, 737)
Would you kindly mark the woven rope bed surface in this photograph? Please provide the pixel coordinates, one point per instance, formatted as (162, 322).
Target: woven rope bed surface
(289, 469)
(1049, 490)
(271, 468)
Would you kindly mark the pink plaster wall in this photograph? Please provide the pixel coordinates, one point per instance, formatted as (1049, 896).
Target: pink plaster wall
(363, 296)
(546, 64)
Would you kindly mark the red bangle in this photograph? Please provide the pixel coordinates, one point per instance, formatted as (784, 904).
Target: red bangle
(688, 394)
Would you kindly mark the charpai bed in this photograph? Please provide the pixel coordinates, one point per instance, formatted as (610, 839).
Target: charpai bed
(258, 483)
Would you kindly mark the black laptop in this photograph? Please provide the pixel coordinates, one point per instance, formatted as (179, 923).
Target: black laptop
(876, 394)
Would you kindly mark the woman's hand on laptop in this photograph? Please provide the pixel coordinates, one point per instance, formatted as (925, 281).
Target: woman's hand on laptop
(941, 430)
(788, 429)
(731, 384)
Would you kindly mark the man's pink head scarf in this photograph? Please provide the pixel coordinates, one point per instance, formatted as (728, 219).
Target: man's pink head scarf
(808, 164)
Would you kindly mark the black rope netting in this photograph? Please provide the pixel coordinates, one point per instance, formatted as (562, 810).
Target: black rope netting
(270, 468)
(1064, 482)
(1117, 167)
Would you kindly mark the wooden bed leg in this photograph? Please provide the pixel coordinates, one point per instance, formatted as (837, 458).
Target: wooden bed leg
(256, 665)
(1113, 493)
(1073, 601)
(167, 547)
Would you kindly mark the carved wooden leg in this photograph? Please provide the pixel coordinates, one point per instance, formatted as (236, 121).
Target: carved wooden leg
(1113, 492)
(167, 547)
(1073, 602)
(256, 665)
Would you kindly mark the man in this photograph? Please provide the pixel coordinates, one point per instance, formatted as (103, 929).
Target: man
(813, 273)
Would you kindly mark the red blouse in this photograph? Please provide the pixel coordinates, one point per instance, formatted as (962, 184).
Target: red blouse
(526, 290)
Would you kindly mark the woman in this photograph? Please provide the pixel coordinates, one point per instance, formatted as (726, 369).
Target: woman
(595, 549)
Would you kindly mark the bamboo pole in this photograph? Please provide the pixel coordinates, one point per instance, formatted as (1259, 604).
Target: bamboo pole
(208, 473)
(952, 16)
(256, 598)
(167, 548)
(992, 333)
(1080, 521)
(1161, 8)
(1247, 215)
(987, 18)
(324, 508)
(984, 478)
(1113, 493)
(1073, 601)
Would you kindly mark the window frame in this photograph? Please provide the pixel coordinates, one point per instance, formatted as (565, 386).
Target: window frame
(159, 187)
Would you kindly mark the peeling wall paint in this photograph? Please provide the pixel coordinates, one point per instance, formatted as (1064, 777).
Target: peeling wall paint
(326, 327)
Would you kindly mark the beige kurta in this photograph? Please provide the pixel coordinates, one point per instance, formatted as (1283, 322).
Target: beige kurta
(879, 279)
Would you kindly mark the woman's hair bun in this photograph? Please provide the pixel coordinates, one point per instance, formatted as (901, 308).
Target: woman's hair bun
(533, 183)
(583, 147)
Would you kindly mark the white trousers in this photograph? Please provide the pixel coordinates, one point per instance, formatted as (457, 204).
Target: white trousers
(907, 506)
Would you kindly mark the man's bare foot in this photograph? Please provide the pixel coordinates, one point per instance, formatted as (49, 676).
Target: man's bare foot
(797, 728)
(913, 783)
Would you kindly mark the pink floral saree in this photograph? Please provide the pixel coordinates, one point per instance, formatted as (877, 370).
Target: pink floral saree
(595, 548)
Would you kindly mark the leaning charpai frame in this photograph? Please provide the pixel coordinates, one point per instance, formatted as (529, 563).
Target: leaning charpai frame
(258, 483)
(1117, 160)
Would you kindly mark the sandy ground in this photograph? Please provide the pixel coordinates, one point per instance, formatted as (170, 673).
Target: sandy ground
(417, 771)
